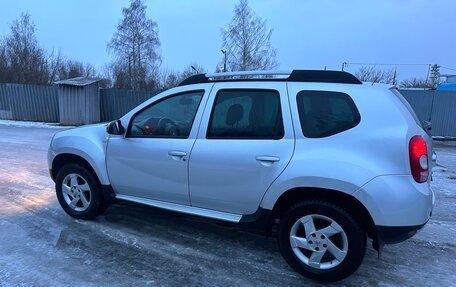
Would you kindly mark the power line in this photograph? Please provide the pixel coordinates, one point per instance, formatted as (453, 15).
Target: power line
(385, 64)
(448, 68)
(401, 64)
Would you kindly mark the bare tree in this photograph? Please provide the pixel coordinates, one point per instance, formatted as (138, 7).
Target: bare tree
(73, 69)
(374, 75)
(105, 73)
(60, 68)
(247, 41)
(3, 62)
(170, 79)
(416, 83)
(191, 70)
(25, 59)
(135, 45)
(55, 62)
(119, 75)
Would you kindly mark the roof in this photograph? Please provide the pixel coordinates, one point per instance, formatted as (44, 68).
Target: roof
(449, 78)
(318, 76)
(447, 87)
(78, 81)
(380, 85)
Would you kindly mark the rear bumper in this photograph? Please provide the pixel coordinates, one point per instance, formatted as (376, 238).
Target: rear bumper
(396, 234)
(396, 201)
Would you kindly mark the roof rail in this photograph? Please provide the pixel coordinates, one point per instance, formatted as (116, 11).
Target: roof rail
(248, 73)
(319, 76)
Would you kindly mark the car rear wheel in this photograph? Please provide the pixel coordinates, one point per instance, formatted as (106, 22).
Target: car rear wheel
(78, 192)
(321, 241)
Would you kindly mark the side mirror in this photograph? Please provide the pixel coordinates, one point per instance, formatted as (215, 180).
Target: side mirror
(115, 128)
(427, 125)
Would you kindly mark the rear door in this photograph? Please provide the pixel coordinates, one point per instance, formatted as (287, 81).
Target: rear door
(245, 141)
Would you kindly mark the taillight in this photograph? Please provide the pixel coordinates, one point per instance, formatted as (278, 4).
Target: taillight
(418, 159)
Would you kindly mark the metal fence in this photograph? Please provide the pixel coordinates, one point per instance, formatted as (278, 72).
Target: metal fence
(40, 103)
(114, 103)
(29, 103)
(438, 107)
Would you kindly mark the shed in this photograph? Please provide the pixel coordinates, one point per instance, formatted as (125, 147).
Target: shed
(449, 84)
(447, 87)
(79, 101)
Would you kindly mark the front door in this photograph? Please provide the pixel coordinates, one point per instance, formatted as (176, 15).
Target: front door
(151, 161)
(245, 141)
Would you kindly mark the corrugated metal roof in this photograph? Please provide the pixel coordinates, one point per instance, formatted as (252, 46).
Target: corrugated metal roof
(78, 81)
(447, 87)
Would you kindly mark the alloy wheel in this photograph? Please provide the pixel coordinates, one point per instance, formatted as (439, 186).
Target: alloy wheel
(318, 241)
(76, 192)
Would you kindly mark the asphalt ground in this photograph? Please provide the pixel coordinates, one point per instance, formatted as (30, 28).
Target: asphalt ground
(132, 245)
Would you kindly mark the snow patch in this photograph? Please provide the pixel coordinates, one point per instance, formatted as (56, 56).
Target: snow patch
(31, 124)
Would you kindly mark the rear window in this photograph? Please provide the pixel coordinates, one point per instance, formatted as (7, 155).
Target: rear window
(325, 113)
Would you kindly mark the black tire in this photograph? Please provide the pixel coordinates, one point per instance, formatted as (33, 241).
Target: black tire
(96, 206)
(355, 236)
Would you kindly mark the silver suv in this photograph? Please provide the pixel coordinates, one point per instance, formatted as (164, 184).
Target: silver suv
(317, 158)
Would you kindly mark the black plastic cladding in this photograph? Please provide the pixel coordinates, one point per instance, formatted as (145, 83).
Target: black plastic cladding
(317, 76)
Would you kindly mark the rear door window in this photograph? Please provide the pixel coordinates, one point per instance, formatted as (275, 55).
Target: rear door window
(324, 113)
(246, 114)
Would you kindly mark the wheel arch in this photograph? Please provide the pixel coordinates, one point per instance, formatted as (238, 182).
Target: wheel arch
(65, 158)
(349, 203)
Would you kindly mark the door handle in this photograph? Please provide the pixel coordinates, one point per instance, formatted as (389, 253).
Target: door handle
(268, 159)
(177, 153)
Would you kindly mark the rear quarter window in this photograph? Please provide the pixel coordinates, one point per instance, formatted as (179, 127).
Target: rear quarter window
(324, 113)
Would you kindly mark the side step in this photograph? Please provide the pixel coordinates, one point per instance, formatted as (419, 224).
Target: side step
(230, 217)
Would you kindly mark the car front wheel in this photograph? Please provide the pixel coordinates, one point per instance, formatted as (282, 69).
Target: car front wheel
(78, 192)
(321, 241)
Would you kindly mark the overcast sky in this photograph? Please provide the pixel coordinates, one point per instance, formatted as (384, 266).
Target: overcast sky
(308, 34)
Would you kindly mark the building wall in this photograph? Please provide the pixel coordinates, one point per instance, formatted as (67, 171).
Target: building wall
(79, 105)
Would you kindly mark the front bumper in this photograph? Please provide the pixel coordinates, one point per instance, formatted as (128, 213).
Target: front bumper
(51, 174)
(50, 158)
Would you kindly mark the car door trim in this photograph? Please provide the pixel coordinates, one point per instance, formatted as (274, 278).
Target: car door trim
(225, 216)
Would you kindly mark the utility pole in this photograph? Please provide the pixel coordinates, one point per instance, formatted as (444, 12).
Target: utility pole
(427, 77)
(224, 64)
